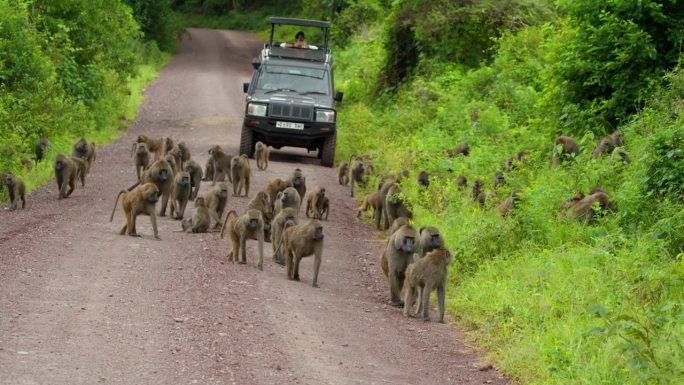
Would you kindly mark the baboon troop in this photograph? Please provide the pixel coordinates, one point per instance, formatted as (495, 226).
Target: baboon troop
(15, 188)
(424, 275)
(299, 241)
(140, 200)
(261, 153)
(249, 225)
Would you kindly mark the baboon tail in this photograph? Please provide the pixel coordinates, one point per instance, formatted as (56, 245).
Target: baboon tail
(226, 220)
(111, 218)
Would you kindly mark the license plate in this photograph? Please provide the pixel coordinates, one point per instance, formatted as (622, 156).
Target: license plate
(294, 126)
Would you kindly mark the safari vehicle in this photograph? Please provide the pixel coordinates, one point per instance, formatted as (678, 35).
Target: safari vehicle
(290, 98)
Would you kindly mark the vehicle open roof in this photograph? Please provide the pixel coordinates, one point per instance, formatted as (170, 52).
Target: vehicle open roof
(321, 54)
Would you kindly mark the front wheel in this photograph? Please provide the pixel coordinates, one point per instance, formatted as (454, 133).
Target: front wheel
(328, 149)
(247, 142)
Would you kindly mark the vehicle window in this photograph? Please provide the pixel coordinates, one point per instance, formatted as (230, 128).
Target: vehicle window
(301, 80)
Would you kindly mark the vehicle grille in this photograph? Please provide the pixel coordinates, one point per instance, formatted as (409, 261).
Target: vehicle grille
(291, 111)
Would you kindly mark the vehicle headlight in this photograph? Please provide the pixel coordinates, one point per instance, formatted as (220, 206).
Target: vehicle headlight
(325, 115)
(256, 109)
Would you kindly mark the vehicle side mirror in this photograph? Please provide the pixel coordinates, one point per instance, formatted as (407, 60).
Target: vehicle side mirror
(256, 63)
(245, 87)
(338, 96)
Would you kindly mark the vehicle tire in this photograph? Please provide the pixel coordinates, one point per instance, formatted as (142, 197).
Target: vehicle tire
(328, 157)
(247, 142)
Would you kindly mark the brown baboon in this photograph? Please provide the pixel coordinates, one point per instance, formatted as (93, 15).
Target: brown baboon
(209, 172)
(298, 181)
(182, 190)
(619, 154)
(141, 157)
(81, 169)
(314, 203)
(154, 145)
(424, 275)
(16, 189)
(171, 161)
(240, 173)
(249, 225)
(498, 179)
(174, 158)
(261, 154)
(430, 239)
(572, 201)
(274, 187)
(184, 155)
(424, 178)
(343, 173)
(66, 172)
(262, 202)
(287, 198)
(608, 144)
(372, 200)
(461, 182)
(140, 200)
(513, 161)
(379, 214)
(299, 241)
(216, 199)
(195, 171)
(357, 173)
(395, 206)
(222, 163)
(477, 189)
(325, 208)
(169, 144)
(591, 206)
(564, 147)
(285, 216)
(85, 151)
(396, 224)
(463, 149)
(41, 147)
(200, 220)
(161, 174)
(510, 203)
(401, 246)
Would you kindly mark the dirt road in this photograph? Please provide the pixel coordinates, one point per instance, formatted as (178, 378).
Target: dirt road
(80, 304)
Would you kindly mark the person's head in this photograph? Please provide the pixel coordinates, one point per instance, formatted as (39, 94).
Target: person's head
(300, 36)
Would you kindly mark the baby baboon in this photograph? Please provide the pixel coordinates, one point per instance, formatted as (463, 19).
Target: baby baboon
(619, 154)
(592, 206)
(262, 202)
(216, 199)
(513, 161)
(66, 172)
(81, 169)
(161, 174)
(461, 182)
(564, 147)
(427, 274)
(343, 173)
(298, 182)
(286, 216)
(357, 173)
(154, 145)
(430, 239)
(261, 154)
(424, 178)
(274, 187)
(200, 220)
(195, 171)
(299, 241)
(395, 206)
(249, 225)
(222, 163)
(314, 203)
(182, 191)
(498, 179)
(41, 147)
(183, 155)
(172, 161)
(141, 157)
(85, 151)
(16, 189)
(401, 246)
(140, 200)
(372, 200)
(608, 144)
(240, 173)
(463, 149)
(509, 204)
(209, 172)
(287, 198)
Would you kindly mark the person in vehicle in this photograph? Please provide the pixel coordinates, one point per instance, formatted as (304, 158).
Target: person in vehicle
(300, 42)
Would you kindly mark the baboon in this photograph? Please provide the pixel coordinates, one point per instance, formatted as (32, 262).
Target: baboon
(209, 172)
(86, 151)
(195, 171)
(286, 216)
(379, 214)
(154, 145)
(299, 241)
(141, 157)
(563, 147)
(485, 197)
(172, 161)
(424, 178)
(169, 144)
(621, 155)
(200, 220)
(81, 169)
(66, 172)
(182, 190)
(513, 161)
(142, 199)
(184, 154)
(396, 224)
(401, 246)
(325, 208)
(16, 189)
(216, 199)
(314, 203)
(274, 187)
(424, 275)
(298, 181)
(430, 239)
(41, 147)
(509, 204)
(161, 174)
(343, 173)
(249, 225)
(608, 144)
(261, 154)
(477, 189)
(395, 206)
(461, 182)
(372, 200)
(463, 149)
(590, 207)
(571, 202)
(287, 198)
(498, 179)
(262, 202)
(240, 173)
(222, 163)
(357, 173)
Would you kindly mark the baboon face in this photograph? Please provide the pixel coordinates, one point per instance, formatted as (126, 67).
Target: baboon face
(253, 223)
(235, 162)
(408, 244)
(214, 149)
(435, 241)
(151, 193)
(283, 197)
(318, 233)
(185, 181)
(162, 175)
(59, 165)
(199, 202)
(141, 139)
(223, 193)
(190, 169)
(141, 149)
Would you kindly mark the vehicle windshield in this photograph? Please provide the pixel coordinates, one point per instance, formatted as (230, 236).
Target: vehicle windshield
(301, 80)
